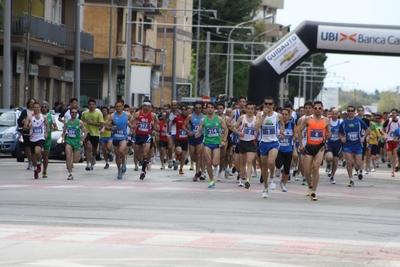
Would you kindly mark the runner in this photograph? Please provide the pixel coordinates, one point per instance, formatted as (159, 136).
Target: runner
(195, 144)
(74, 133)
(163, 138)
(65, 115)
(318, 128)
(38, 127)
(45, 107)
(171, 139)
(143, 120)
(245, 129)
(212, 125)
(268, 121)
(118, 123)
(350, 134)
(366, 149)
(334, 146)
(181, 137)
(93, 120)
(285, 153)
(308, 110)
(106, 138)
(222, 161)
(23, 117)
(389, 127)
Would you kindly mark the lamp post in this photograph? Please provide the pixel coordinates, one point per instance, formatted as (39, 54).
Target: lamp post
(230, 57)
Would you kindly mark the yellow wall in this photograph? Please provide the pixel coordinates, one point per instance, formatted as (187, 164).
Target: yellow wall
(20, 6)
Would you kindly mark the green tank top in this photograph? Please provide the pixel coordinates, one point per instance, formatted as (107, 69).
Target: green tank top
(212, 130)
(73, 131)
(50, 121)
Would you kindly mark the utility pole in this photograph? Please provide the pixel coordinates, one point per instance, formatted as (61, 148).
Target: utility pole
(128, 99)
(175, 36)
(27, 54)
(110, 55)
(7, 56)
(197, 51)
(77, 63)
(208, 64)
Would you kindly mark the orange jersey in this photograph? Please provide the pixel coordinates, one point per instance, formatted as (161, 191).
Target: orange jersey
(316, 131)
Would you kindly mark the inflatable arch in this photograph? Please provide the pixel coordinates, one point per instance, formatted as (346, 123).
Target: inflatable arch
(312, 37)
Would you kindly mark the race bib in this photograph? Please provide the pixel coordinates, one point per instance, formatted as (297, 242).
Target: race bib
(196, 128)
(268, 130)
(71, 132)
(316, 135)
(249, 131)
(143, 126)
(212, 132)
(119, 133)
(37, 130)
(284, 142)
(182, 133)
(352, 136)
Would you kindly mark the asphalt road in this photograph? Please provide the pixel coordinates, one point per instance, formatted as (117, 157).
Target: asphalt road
(168, 220)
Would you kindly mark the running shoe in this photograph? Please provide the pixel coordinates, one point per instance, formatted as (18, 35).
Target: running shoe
(29, 166)
(153, 160)
(202, 176)
(265, 193)
(44, 175)
(351, 184)
(396, 169)
(176, 165)
(333, 180)
(162, 167)
(296, 178)
(355, 172)
(344, 163)
(254, 174)
(360, 176)
(304, 182)
(148, 166)
(123, 168)
(170, 164)
(181, 172)
(373, 170)
(107, 166)
(70, 177)
(35, 174)
(191, 168)
(130, 152)
(110, 157)
(211, 184)
(39, 168)
(215, 170)
(247, 184)
(195, 178)
(261, 179)
(284, 188)
(87, 168)
(142, 175)
(226, 173)
(240, 183)
(389, 165)
(272, 185)
(277, 172)
(219, 177)
(136, 168)
(313, 197)
(392, 174)
(233, 170)
(308, 193)
(186, 161)
(329, 173)
(93, 161)
(91, 167)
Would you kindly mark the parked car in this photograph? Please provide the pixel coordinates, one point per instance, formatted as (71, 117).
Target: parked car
(57, 149)
(9, 133)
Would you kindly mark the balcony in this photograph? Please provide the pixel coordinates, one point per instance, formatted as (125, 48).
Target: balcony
(141, 53)
(87, 41)
(160, 59)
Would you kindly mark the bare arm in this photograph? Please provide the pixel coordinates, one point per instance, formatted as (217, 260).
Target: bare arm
(84, 131)
(226, 130)
(200, 129)
(234, 127)
(185, 125)
(303, 125)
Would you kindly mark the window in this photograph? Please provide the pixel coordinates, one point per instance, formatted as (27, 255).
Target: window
(140, 29)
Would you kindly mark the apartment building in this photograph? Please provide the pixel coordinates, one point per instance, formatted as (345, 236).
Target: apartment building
(48, 74)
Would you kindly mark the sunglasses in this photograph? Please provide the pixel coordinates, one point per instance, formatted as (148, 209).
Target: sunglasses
(268, 103)
(316, 108)
(350, 110)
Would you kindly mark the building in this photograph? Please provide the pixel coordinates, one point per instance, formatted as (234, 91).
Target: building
(48, 73)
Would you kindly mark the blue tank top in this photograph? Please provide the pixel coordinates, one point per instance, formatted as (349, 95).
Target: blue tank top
(121, 123)
(335, 131)
(286, 144)
(195, 123)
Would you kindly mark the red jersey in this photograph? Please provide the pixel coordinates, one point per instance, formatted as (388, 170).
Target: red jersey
(163, 131)
(143, 123)
(180, 133)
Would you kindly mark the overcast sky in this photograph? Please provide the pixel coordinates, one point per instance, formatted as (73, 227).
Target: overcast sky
(362, 72)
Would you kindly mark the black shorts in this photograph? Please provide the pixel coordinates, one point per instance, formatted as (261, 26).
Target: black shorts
(313, 150)
(376, 150)
(182, 143)
(94, 140)
(247, 146)
(39, 143)
(27, 141)
(163, 144)
(284, 159)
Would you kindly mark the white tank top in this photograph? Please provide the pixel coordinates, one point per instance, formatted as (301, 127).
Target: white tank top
(171, 118)
(36, 133)
(269, 128)
(248, 129)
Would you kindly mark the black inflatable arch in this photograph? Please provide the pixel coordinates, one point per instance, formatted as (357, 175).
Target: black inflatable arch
(312, 37)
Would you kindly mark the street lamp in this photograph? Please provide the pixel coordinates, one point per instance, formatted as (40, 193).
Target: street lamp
(230, 57)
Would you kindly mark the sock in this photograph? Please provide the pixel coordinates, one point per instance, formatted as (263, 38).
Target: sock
(313, 192)
(144, 164)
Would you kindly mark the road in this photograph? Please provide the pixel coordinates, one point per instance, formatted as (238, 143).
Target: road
(168, 220)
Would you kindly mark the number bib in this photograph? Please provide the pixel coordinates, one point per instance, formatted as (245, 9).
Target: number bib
(352, 136)
(212, 131)
(119, 133)
(71, 132)
(143, 126)
(268, 130)
(316, 135)
(196, 128)
(182, 133)
(335, 137)
(37, 130)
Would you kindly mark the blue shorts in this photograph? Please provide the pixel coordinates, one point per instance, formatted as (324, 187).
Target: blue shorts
(116, 142)
(357, 151)
(141, 139)
(105, 139)
(211, 146)
(173, 136)
(265, 147)
(335, 148)
(193, 141)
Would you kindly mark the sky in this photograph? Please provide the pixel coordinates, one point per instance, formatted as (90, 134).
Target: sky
(366, 73)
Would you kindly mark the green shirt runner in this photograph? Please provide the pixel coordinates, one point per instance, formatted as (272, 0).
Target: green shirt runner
(212, 130)
(74, 134)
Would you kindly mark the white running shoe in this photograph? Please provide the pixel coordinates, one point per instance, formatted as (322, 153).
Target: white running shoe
(272, 185)
(215, 170)
(162, 167)
(277, 172)
(254, 174)
(226, 173)
(240, 182)
(284, 188)
(29, 168)
(153, 160)
(373, 170)
(265, 193)
(219, 178)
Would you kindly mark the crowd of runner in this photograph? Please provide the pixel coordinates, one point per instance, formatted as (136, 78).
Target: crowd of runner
(218, 140)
